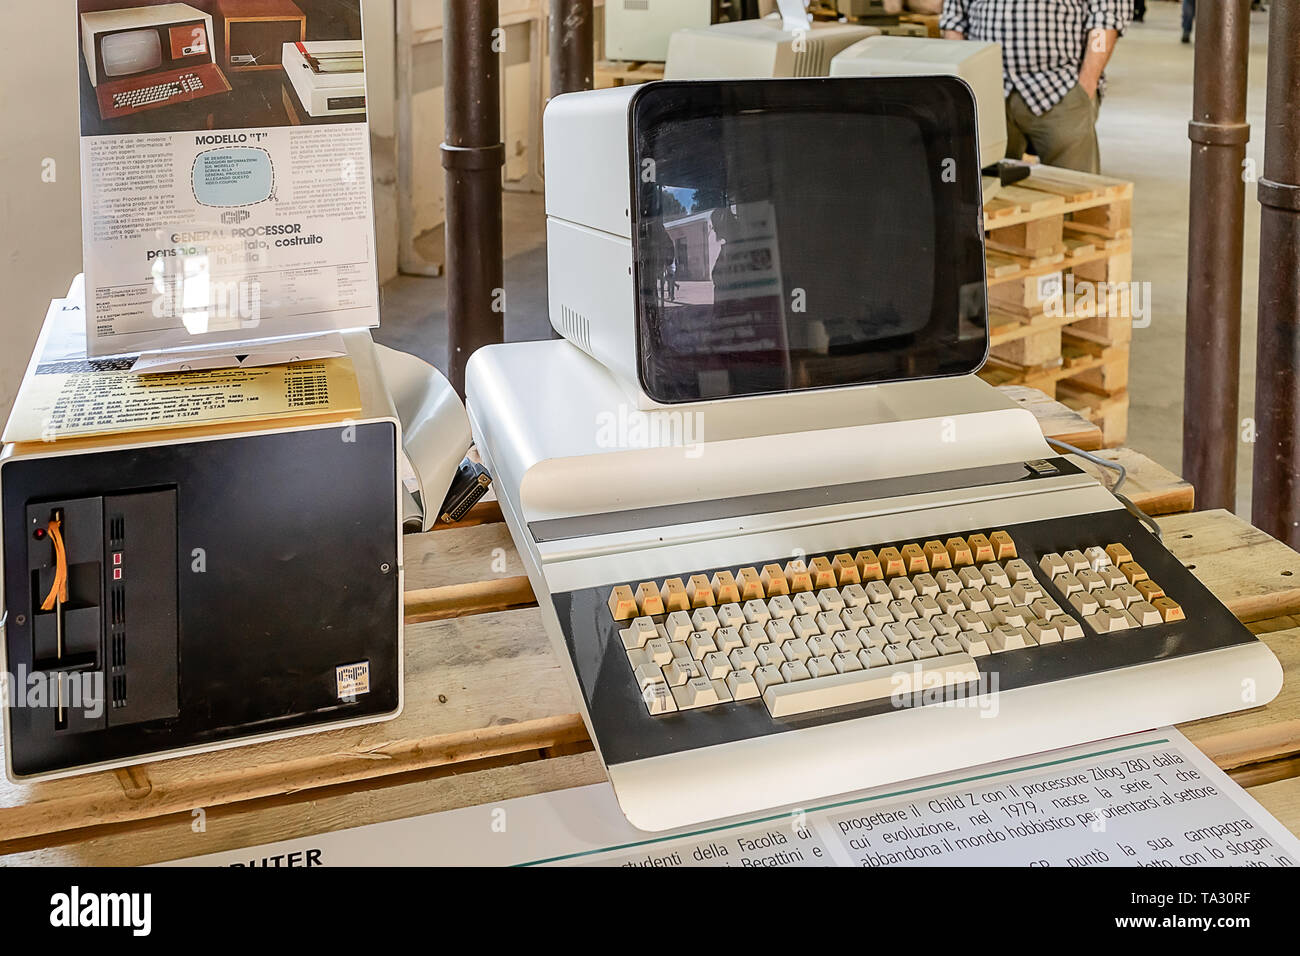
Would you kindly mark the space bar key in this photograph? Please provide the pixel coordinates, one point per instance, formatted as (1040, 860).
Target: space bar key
(874, 683)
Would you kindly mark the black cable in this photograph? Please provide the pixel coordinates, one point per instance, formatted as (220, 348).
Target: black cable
(1114, 490)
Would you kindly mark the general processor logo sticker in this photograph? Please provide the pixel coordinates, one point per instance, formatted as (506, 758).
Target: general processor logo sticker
(352, 680)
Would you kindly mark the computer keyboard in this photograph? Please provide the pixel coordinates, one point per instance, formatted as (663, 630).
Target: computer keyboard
(853, 627)
(148, 95)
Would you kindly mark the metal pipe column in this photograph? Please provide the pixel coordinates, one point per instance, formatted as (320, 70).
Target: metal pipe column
(472, 156)
(1219, 132)
(573, 47)
(1275, 500)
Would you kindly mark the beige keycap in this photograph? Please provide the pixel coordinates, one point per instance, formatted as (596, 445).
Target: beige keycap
(648, 674)
(805, 627)
(921, 630)
(637, 656)
(820, 667)
(878, 592)
(1097, 558)
(1127, 593)
(700, 692)
(926, 607)
(1067, 583)
(897, 633)
(872, 657)
(716, 666)
(997, 595)
(642, 629)
(622, 603)
(1044, 632)
(823, 575)
(1118, 554)
(727, 639)
(1145, 613)
(990, 619)
(648, 599)
(1169, 609)
(680, 651)
(995, 574)
(700, 644)
(753, 635)
(658, 699)
(854, 595)
(1112, 576)
(1133, 571)
(1053, 564)
(1003, 638)
(700, 591)
(705, 619)
(945, 624)
(782, 608)
(914, 560)
(673, 593)
(1148, 590)
(902, 610)
(868, 563)
(751, 584)
(971, 578)
(742, 686)
(1110, 598)
(743, 659)
(891, 560)
(779, 630)
(1012, 616)
(847, 642)
(725, 587)
(974, 600)
(1090, 579)
(949, 603)
(830, 599)
(1025, 593)
(769, 655)
(678, 625)
(1018, 571)
(948, 644)
(792, 671)
(937, 555)
(846, 571)
(1004, 549)
(948, 581)
(1085, 603)
(796, 650)
(872, 637)
(902, 588)
(1075, 559)
(806, 603)
(844, 662)
(679, 672)
(923, 650)
(822, 646)
(897, 653)
(925, 584)
(981, 548)
(798, 576)
(658, 651)
(854, 618)
(1045, 607)
(1109, 620)
(828, 623)
(975, 643)
(730, 615)
(766, 677)
(774, 581)
(969, 621)
(1070, 628)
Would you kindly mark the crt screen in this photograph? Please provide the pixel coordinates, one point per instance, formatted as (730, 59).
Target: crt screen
(806, 234)
(132, 52)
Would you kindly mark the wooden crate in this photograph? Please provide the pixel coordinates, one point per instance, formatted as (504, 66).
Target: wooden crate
(610, 73)
(1059, 260)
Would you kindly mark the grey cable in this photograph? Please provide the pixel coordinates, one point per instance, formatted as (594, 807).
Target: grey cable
(1114, 490)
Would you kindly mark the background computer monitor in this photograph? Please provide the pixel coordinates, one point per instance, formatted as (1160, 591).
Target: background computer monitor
(758, 49)
(978, 63)
(639, 29)
(141, 40)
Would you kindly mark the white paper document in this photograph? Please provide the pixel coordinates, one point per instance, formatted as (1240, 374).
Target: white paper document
(1149, 799)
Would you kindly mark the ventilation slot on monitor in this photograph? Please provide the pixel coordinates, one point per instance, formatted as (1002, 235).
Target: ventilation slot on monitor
(119, 690)
(117, 642)
(575, 327)
(116, 531)
(812, 60)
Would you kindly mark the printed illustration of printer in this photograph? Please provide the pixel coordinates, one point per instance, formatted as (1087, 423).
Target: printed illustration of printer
(328, 76)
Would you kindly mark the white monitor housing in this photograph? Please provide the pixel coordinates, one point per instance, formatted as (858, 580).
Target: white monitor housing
(639, 29)
(978, 63)
(758, 49)
(143, 39)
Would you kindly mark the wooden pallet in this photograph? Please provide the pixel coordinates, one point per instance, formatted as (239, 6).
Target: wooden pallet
(1062, 230)
(626, 73)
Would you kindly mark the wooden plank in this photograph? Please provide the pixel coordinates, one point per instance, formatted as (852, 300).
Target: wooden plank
(1152, 487)
(1055, 419)
(1282, 800)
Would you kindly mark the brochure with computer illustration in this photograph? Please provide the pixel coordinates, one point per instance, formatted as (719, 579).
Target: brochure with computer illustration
(225, 155)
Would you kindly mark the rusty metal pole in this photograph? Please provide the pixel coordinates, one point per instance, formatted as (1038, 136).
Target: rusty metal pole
(1275, 499)
(1218, 131)
(472, 156)
(573, 46)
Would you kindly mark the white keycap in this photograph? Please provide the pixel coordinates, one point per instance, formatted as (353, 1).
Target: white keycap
(699, 692)
(974, 600)
(1053, 564)
(925, 585)
(781, 607)
(658, 699)
(975, 644)
(970, 621)
(1067, 583)
(1144, 613)
(716, 666)
(948, 581)
(1108, 597)
(680, 651)
(1113, 577)
(1128, 595)
(1109, 620)
(971, 578)
(853, 618)
(927, 607)
(680, 671)
(872, 637)
(897, 653)
(1024, 593)
(997, 595)
(743, 659)
(878, 615)
(822, 646)
(945, 624)
(1046, 607)
(779, 630)
(946, 644)
(727, 639)
(756, 612)
(796, 650)
(765, 677)
(770, 655)
(705, 620)
(1044, 632)
(897, 633)
(638, 656)
(921, 630)
(949, 602)
(995, 574)
(821, 667)
(1085, 603)
(658, 651)
(1075, 559)
(1071, 630)
(700, 644)
(1018, 571)
(878, 592)
(847, 641)
(642, 629)
(1009, 639)
(742, 685)
(806, 603)
(830, 599)
(678, 626)
(792, 671)
(730, 615)
(854, 595)
(923, 650)
(846, 661)
(902, 610)
(856, 687)
(1097, 557)
(648, 674)
(829, 622)
(1090, 580)
(872, 657)
(753, 635)
(902, 588)
(805, 627)
(1012, 616)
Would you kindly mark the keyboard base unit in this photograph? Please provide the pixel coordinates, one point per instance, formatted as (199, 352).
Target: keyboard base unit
(725, 690)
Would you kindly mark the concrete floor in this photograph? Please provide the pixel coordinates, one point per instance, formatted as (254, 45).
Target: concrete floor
(1143, 131)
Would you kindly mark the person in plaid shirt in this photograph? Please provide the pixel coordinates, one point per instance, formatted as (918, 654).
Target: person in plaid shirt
(1053, 55)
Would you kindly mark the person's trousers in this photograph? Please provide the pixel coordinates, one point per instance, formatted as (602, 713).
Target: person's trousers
(1189, 15)
(1066, 135)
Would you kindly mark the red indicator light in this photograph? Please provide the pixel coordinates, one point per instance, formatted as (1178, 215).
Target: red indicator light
(117, 574)
(117, 557)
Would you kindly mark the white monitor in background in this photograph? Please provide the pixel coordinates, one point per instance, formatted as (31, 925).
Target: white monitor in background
(758, 49)
(979, 64)
(639, 29)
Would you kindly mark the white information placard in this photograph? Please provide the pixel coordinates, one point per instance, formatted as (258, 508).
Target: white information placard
(225, 158)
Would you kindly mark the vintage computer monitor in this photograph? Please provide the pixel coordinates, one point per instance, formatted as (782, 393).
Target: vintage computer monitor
(147, 57)
(253, 33)
(979, 64)
(225, 584)
(758, 49)
(639, 29)
(787, 543)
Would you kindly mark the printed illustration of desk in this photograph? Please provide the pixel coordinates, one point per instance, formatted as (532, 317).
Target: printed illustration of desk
(489, 716)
